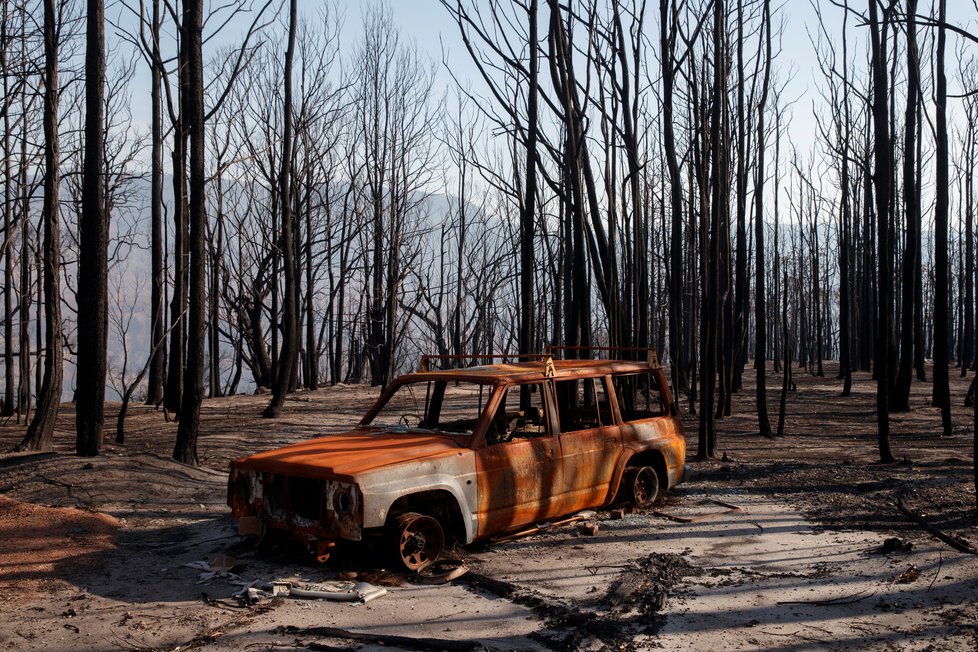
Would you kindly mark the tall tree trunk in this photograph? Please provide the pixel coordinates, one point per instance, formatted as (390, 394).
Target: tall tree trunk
(177, 355)
(185, 449)
(24, 317)
(7, 409)
(883, 153)
(712, 302)
(845, 246)
(93, 258)
(911, 208)
(760, 306)
(742, 301)
(677, 349)
(312, 347)
(942, 394)
(154, 389)
(290, 330)
(40, 433)
(528, 212)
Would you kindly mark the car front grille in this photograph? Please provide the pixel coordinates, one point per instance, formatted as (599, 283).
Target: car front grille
(293, 500)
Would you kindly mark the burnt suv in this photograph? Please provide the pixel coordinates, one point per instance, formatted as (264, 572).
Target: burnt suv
(468, 453)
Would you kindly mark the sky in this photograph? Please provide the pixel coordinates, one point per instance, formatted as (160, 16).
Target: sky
(428, 24)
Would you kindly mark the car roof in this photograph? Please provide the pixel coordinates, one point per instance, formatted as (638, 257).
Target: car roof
(537, 370)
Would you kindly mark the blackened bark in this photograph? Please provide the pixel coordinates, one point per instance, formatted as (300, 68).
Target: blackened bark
(881, 177)
(290, 330)
(845, 245)
(40, 433)
(154, 389)
(760, 307)
(528, 212)
(712, 264)
(93, 257)
(185, 449)
(177, 355)
(7, 409)
(942, 395)
(741, 299)
(911, 208)
(677, 350)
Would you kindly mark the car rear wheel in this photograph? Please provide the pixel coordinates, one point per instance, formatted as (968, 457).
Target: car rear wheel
(419, 539)
(642, 486)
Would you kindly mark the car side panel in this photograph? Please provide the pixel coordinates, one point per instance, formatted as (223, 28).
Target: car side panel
(589, 460)
(519, 483)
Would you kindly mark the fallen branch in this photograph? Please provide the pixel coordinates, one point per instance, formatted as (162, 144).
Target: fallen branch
(955, 542)
(70, 487)
(214, 633)
(832, 602)
(537, 529)
(693, 519)
(408, 642)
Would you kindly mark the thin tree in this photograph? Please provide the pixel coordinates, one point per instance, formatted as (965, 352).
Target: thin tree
(192, 108)
(677, 352)
(40, 433)
(760, 306)
(290, 329)
(528, 208)
(942, 393)
(154, 389)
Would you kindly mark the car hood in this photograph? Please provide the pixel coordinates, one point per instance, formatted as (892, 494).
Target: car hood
(346, 455)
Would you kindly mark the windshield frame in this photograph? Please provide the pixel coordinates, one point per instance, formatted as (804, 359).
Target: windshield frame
(429, 400)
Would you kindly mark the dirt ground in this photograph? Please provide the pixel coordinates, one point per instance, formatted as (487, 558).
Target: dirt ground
(779, 545)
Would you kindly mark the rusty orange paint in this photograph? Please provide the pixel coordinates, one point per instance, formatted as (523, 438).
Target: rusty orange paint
(493, 485)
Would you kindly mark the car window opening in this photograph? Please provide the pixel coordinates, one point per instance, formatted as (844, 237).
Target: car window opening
(453, 408)
(521, 414)
(639, 396)
(583, 404)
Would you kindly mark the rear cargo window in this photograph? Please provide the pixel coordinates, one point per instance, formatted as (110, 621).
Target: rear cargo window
(639, 396)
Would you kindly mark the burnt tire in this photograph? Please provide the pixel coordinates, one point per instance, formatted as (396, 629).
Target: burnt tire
(640, 486)
(418, 540)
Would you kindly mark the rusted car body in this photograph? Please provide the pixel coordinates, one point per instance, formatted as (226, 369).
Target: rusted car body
(470, 453)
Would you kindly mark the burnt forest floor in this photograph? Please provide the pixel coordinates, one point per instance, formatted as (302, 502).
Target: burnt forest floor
(94, 551)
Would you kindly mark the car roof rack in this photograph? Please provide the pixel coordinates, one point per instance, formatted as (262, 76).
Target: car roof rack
(480, 358)
(651, 356)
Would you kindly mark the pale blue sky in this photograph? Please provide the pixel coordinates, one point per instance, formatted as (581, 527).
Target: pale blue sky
(429, 25)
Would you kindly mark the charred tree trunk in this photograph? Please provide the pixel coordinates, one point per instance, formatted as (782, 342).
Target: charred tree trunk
(177, 356)
(760, 306)
(290, 329)
(677, 350)
(7, 409)
(528, 212)
(40, 433)
(911, 207)
(94, 238)
(154, 389)
(185, 449)
(882, 175)
(942, 394)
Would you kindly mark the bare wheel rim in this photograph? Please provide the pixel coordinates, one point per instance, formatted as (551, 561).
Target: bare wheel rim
(645, 486)
(420, 540)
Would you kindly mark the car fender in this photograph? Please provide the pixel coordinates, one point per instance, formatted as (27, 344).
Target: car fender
(662, 435)
(455, 474)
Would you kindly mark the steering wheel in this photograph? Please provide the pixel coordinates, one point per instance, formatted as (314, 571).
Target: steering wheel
(404, 420)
